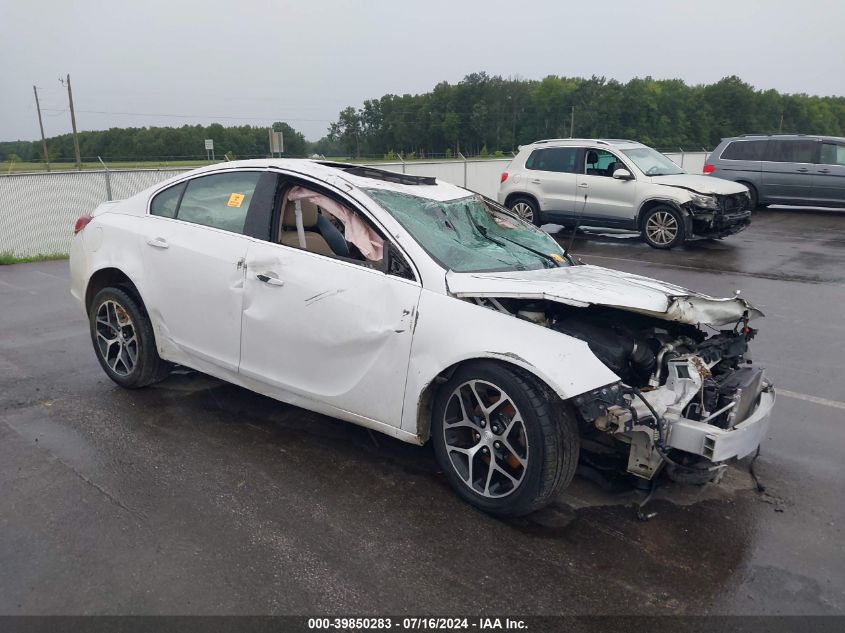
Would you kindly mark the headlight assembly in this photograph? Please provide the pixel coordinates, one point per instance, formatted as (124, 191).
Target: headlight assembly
(704, 201)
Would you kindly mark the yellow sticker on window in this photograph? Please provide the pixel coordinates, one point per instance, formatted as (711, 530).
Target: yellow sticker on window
(559, 259)
(236, 200)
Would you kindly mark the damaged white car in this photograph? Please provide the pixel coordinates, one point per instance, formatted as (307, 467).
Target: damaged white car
(425, 311)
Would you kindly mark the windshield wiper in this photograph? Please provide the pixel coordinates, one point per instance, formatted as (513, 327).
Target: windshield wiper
(483, 230)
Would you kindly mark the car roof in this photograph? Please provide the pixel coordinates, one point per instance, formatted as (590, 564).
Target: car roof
(360, 176)
(752, 137)
(619, 143)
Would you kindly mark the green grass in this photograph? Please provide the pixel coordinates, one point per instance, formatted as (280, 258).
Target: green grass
(7, 258)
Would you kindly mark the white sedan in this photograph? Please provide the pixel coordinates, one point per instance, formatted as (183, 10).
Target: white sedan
(425, 311)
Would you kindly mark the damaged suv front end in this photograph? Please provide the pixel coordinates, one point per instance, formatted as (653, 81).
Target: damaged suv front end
(717, 215)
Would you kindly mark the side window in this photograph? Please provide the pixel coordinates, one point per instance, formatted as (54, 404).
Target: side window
(220, 200)
(833, 154)
(165, 203)
(599, 162)
(559, 159)
(333, 228)
(535, 160)
(744, 150)
(791, 151)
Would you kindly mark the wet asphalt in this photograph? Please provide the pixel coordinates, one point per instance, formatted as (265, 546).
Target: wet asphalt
(196, 497)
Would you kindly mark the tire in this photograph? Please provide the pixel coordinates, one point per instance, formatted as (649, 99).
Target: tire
(123, 339)
(663, 227)
(534, 460)
(527, 209)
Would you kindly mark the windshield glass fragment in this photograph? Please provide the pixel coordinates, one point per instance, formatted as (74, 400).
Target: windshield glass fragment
(471, 234)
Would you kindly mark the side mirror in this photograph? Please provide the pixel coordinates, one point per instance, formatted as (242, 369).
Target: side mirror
(623, 174)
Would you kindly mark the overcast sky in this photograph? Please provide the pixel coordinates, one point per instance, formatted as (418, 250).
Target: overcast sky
(250, 62)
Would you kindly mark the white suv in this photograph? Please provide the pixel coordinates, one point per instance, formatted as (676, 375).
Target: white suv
(620, 184)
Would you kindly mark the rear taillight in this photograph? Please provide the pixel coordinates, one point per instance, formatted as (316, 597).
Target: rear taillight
(709, 169)
(504, 176)
(81, 223)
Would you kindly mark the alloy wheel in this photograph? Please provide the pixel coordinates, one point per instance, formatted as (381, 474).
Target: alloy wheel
(523, 210)
(117, 341)
(661, 228)
(485, 438)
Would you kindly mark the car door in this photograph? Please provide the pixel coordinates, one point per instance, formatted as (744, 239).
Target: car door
(829, 176)
(328, 329)
(194, 249)
(608, 200)
(788, 171)
(551, 179)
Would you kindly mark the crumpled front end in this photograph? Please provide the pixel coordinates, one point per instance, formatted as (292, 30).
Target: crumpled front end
(702, 404)
(720, 215)
(687, 395)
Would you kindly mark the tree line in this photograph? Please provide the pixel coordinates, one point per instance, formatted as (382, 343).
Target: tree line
(483, 114)
(159, 143)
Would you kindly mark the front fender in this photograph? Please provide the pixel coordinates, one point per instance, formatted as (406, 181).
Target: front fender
(449, 331)
(669, 202)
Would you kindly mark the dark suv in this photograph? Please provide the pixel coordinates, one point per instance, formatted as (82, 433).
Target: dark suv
(784, 168)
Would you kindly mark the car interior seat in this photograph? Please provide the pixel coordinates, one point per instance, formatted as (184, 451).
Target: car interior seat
(613, 167)
(592, 159)
(314, 241)
(334, 238)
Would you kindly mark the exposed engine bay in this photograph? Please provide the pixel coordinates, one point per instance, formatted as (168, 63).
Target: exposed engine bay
(684, 393)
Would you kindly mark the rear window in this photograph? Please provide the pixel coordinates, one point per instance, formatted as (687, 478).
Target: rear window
(833, 154)
(219, 200)
(560, 159)
(791, 151)
(745, 150)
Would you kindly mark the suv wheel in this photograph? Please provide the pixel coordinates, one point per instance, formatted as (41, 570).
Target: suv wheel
(663, 227)
(527, 209)
(506, 444)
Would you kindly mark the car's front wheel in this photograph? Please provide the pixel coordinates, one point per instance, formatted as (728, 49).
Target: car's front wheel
(124, 341)
(663, 227)
(506, 443)
(527, 209)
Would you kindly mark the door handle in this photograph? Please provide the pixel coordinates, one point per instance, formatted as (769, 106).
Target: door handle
(270, 279)
(584, 185)
(536, 181)
(803, 170)
(824, 171)
(158, 242)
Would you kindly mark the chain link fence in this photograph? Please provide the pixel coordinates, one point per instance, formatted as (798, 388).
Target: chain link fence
(39, 209)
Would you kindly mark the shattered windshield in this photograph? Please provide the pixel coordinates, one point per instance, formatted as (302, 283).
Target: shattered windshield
(652, 162)
(471, 234)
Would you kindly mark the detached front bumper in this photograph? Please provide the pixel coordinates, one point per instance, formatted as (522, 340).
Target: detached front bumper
(717, 444)
(720, 224)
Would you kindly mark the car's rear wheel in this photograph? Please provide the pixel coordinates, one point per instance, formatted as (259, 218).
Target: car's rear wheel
(123, 339)
(754, 203)
(527, 209)
(506, 443)
(663, 227)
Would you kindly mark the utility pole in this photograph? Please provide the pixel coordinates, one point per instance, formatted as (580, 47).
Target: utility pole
(41, 125)
(572, 122)
(73, 124)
